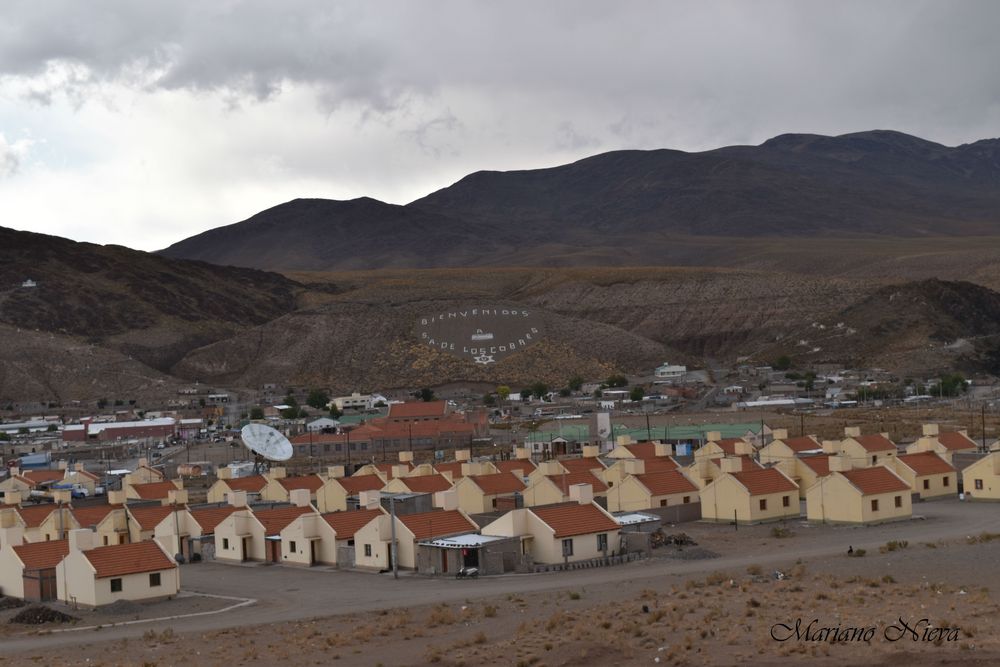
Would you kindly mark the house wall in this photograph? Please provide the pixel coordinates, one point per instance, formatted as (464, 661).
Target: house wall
(546, 548)
(471, 498)
(542, 492)
(76, 583)
(632, 496)
(167, 536)
(301, 531)
(376, 534)
(274, 492)
(937, 488)
(725, 496)
(11, 573)
(234, 528)
(861, 457)
(836, 500)
(111, 529)
(775, 451)
(217, 492)
(986, 469)
(54, 527)
(331, 497)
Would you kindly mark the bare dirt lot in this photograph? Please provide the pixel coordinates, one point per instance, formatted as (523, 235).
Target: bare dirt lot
(682, 611)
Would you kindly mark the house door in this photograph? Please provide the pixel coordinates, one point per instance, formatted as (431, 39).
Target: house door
(470, 557)
(274, 551)
(245, 555)
(388, 553)
(312, 552)
(444, 560)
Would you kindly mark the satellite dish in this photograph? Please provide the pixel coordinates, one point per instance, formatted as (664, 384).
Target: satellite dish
(266, 442)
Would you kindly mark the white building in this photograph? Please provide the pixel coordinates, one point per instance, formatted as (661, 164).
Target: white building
(669, 371)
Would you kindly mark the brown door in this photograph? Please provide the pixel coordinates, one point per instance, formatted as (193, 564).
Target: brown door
(312, 552)
(444, 560)
(275, 549)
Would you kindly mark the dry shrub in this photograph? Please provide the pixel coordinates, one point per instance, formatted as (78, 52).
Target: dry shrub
(441, 615)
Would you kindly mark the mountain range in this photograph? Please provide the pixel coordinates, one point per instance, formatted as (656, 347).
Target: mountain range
(656, 207)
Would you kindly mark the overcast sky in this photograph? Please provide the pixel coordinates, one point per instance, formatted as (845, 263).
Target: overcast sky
(141, 123)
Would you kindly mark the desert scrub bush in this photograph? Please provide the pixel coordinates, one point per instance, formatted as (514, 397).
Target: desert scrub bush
(858, 553)
(574, 595)
(893, 545)
(489, 611)
(441, 615)
(781, 532)
(717, 578)
(754, 570)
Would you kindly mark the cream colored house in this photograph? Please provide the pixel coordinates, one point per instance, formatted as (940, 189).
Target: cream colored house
(143, 474)
(487, 493)
(749, 496)
(928, 474)
(981, 480)
(783, 448)
(642, 491)
(549, 489)
(622, 468)
(95, 576)
(25, 481)
(372, 542)
(641, 450)
(27, 570)
(219, 492)
(435, 483)
(255, 535)
(107, 521)
(334, 494)
(866, 450)
(277, 489)
(704, 470)
(858, 495)
(718, 447)
(946, 444)
(142, 521)
(564, 533)
(809, 470)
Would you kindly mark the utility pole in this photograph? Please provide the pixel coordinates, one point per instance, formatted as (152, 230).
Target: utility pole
(392, 519)
(983, 406)
(649, 433)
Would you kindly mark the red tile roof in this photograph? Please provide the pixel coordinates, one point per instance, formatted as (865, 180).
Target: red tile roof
(149, 517)
(275, 520)
(251, 484)
(415, 409)
(154, 490)
(33, 516)
(524, 466)
(875, 443)
(803, 444)
(38, 477)
(426, 483)
(569, 519)
(746, 461)
(427, 525)
(454, 467)
(499, 483)
(660, 464)
(819, 463)
(210, 517)
(582, 464)
(764, 481)
(642, 450)
(667, 483)
(728, 445)
(357, 483)
(956, 441)
(311, 482)
(871, 481)
(345, 524)
(117, 560)
(388, 469)
(42, 555)
(583, 477)
(93, 514)
(926, 463)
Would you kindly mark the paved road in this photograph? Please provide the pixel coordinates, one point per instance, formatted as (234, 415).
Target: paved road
(289, 593)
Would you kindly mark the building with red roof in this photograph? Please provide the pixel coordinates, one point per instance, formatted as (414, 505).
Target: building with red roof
(859, 495)
(561, 533)
(928, 474)
(749, 495)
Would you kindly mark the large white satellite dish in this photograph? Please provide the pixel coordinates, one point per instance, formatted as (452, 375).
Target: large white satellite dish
(267, 442)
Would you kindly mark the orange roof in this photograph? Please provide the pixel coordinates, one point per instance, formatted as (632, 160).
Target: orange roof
(154, 490)
(210, 517)
(251, 484)
(85, 473)
(275, 520)
(926, 463)
(728, 445)
(415, 409)
(120, 559)
(311, 482)
(345, 524)
(747, 463)
(34, 516)
(36, 477)
(667, 483)
(582, 464)
(569, 519)
(764, 481)
(956, 441)
(94, 514)
(642, 450)
(583, 477)
(819, 463)
(426, 483)
(659, 464)
(428, 525)
(524, 466)
(149, 517)
(387, 468)
(501, 482)
(357, 483)
(871, 481)
(875, 443)
(42, 555)
(803, 444)
(454, 467)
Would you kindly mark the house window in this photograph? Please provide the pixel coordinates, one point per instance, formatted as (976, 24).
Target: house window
(368, 551)
(105, 540)
(785, 501)
(567, 547)
(945, 481)
(927, 484)
(979, 485)
(602, 541)
(663, 503)
(875, 505)
(326, 446)
(225, 544)
(687, 499)
(154, 579)
(116, 585)
(337, 447)
(291, 547)
(899, 501)
(763, 504)
(494, 503)
(874, 459)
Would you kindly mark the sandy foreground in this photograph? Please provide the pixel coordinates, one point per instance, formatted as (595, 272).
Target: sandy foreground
(924, 603)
